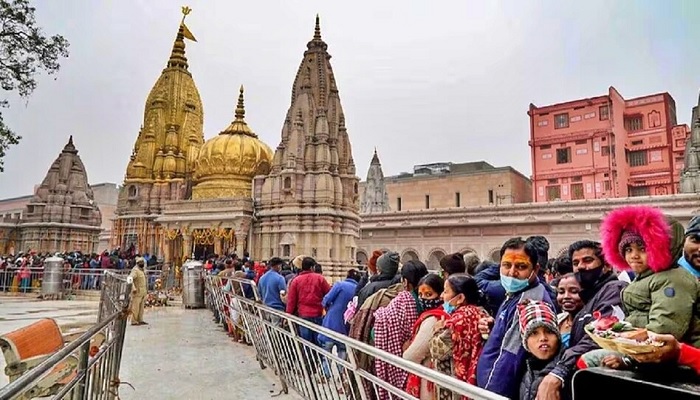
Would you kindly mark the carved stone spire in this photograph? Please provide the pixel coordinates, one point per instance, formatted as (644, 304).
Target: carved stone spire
(312, 170)
(375, 199)
(62, 215)
(690, 176)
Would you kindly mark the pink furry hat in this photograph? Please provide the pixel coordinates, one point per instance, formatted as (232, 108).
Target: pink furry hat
(649, 223)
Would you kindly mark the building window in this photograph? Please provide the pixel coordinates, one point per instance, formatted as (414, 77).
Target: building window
(490, 196)
(553, 193)
(637, 158)
(633, 124)
(561, 121)
(577, 191)
(398, 204)
(287, 182)
(604, 112)
(564, 155)
(286, 250)
(605, 150)
(607, 185)
(639, 191)
(331, 254)
(427, 201)
(577, 178)
(552, 181)
(582, 141)
(545, 147)
(458, 201)
(637, 142)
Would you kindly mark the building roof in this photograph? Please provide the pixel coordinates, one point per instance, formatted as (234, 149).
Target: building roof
(449, 168)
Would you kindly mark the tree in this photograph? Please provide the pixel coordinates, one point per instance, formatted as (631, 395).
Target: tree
(25, 51)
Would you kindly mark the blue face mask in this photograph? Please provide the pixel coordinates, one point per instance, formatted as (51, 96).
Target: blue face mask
(449, 308)
(514, 285)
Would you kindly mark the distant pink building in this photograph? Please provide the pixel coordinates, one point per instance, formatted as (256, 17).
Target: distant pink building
(606, 147)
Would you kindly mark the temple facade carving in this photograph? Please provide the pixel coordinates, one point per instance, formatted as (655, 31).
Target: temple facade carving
(311, 195)
(62, 215)
(375, 198)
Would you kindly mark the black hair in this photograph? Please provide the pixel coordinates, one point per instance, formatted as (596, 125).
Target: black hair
(542, 245)
(434, 281)
(528, 246)
(453, 263)
(274, 261)
(413, 271)
(354, 275)
(563, 266)
(471, 260)
(466, 285)
(587, 244)
(307, 264)
(318, 269)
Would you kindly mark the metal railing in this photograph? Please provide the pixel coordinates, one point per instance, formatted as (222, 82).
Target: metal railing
(97, 353)
(313, 371)
(74, 279)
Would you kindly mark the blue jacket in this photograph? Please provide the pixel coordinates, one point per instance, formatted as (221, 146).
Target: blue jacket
(501, 364)
(489, 282)
(270, 285)
(335, 303)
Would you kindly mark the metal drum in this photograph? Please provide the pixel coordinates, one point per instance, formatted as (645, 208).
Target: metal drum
(193, 284)
(52, 281)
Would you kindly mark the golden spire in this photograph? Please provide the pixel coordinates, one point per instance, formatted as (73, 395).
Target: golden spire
(177, 55)
(239, 126)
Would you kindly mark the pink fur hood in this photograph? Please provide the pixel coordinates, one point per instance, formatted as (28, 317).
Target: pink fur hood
(650, 223)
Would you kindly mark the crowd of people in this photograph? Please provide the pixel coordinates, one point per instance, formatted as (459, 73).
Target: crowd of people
(516, 327)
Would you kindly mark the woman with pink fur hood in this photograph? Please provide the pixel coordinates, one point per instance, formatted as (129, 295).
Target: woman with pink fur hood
(662, 297)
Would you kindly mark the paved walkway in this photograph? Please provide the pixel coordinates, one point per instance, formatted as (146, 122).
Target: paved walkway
(182, 354)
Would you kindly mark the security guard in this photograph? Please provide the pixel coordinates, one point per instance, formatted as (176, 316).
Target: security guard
(138, 292)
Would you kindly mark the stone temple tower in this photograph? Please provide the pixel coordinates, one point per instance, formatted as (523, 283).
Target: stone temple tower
(309, 202)
(162, 163)
(690, 177)
(62, 214)
(375, 199)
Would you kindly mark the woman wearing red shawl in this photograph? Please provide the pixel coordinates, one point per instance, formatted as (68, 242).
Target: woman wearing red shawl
(459, 334)
(429, 291)
(393, 325)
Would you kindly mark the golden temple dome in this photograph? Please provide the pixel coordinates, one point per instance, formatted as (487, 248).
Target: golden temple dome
(228, 162)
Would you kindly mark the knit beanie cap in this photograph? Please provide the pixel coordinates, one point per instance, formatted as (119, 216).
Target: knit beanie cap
(693, 227)
(627, 238)
(388, 263)
(534, 314)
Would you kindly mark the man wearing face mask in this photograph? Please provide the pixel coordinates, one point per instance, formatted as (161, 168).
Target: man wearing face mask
(600, 291)
(501, 363)
(691, 248)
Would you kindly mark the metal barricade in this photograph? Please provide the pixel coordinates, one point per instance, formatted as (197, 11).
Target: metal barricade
(316, 373)
(97, 353)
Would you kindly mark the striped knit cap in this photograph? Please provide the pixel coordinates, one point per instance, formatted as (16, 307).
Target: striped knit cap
(534, 314)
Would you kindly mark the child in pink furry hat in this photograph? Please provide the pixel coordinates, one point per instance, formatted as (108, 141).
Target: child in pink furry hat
(662, 298)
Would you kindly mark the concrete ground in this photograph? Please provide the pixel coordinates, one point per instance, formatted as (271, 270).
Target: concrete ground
(181, 354)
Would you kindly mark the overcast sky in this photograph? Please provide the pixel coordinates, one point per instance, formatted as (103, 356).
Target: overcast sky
(423, 81)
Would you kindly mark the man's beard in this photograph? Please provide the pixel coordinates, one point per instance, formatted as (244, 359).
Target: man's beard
(693, 260)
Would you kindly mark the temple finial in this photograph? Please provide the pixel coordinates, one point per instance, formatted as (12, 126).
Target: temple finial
(70, 140)
(317, 29)
(185, 12)
(240, 107)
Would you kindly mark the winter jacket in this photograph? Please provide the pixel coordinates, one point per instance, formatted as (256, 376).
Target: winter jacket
(535, 371)
(489, 282)
(375, 284)
(662, 299)
(305, 294)
(664, 302)
(500, 366)
(604, 295)
(336, 302)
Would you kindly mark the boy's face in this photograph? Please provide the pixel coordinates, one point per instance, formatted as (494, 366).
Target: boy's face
(542, 343)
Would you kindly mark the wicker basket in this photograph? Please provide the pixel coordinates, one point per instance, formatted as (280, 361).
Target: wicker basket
(623, 347)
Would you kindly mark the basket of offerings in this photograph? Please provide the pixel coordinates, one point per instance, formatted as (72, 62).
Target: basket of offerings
(610, 333)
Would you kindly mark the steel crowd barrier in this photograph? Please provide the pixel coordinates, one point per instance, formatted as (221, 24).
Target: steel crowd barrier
(310, 370)
(97, 353)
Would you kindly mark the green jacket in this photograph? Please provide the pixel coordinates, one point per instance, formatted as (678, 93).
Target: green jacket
(665, 302)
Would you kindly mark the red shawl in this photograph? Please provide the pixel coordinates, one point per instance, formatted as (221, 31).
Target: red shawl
(466, 340)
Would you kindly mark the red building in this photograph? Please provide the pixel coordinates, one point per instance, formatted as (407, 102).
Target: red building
(606, 147)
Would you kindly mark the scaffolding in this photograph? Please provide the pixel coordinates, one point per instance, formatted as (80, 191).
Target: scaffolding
(141, 232)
